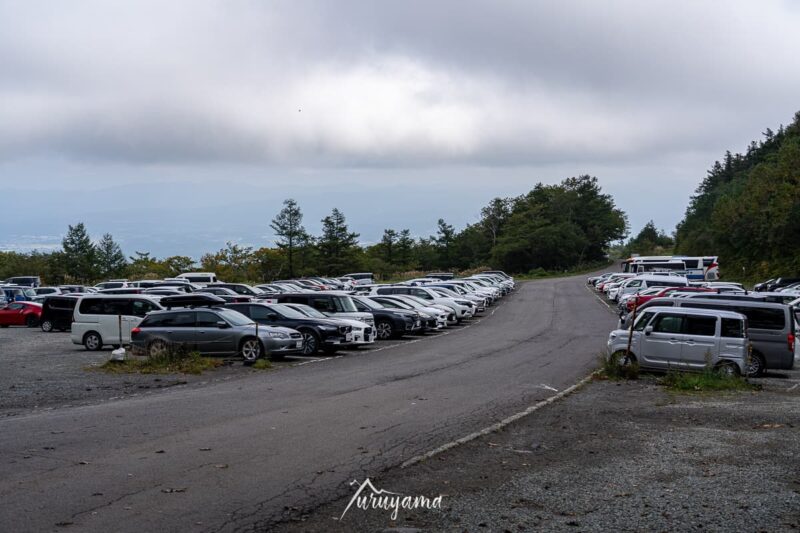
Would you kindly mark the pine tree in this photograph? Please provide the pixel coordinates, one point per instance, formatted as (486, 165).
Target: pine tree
(288, 225)
(110, 259)
(336, 244)
(80, 254)
(404, 248)
(388, 242)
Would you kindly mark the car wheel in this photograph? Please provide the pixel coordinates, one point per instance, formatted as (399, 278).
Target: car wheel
(47, 326)
(157, 348)
(622, 358)
(92, 341)
(250, 350)
(726, 368)
(31, 321)
(385, 330)
(756, 365)
(310, 342)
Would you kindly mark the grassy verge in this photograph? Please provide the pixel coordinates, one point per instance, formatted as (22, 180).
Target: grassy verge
(615, 368)
(167, 363)
(708, 380)
(262, 364)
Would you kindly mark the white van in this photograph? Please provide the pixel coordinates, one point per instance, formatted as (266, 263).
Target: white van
(102, 319)
(685, 339)
(648, 281)
(201, 278)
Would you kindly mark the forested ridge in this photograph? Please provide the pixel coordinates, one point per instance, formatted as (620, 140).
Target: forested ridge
(552, 227)
(747, 209)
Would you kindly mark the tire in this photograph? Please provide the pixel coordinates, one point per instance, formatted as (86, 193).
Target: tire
(310, 342)
(385, 330)
(47, 326)
(757, 365)
(251, 350)
(727, 368)
(92, 341)
(619, 357)
(31, 321)
(156, 348)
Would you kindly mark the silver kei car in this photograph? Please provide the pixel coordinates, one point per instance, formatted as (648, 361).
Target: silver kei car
(213, 331)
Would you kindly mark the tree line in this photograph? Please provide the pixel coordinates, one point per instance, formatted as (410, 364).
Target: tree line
(747, 208)
(552, 227)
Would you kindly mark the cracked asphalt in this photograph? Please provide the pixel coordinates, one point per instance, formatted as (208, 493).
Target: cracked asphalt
(246, 454)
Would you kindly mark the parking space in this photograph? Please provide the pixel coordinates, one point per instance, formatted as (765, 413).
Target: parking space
(46, 371)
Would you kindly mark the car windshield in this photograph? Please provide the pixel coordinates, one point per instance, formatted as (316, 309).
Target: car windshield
(344, 304)
(286, 311)
(308, 311)
(234, 317)
(371, 303)
(447, 292)
(403, 304)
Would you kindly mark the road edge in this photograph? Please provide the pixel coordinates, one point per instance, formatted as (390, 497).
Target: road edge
(497, 425)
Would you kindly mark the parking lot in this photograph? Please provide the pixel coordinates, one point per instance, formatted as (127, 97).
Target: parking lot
(46, 371)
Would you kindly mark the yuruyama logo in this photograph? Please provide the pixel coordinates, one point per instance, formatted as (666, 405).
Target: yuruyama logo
(368, 497)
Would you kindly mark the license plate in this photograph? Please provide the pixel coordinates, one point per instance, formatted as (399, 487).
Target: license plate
(299, 344)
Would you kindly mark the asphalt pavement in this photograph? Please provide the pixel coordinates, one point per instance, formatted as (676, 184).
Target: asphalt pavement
(245, 454)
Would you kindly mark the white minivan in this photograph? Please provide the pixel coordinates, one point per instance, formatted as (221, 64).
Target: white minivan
(685, 338)
(102, 319)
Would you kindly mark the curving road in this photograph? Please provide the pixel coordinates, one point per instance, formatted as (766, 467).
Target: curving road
(239, 455)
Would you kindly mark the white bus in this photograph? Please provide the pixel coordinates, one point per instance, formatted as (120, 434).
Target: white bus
(695, 268)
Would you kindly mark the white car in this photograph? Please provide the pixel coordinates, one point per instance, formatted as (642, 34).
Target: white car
(461, 308)
(403, 302)
(363, 333)
(102, 319)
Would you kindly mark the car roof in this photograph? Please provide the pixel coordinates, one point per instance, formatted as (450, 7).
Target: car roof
(696, 311)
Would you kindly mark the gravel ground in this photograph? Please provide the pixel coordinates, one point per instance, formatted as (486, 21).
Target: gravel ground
(46, 371)
(612, 457)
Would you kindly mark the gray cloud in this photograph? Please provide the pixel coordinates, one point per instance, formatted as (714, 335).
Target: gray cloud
(380, 83)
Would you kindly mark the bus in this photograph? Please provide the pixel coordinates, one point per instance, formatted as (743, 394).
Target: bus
(695, 268)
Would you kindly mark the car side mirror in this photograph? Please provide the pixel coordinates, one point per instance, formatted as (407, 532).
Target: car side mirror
(648, 330)
(221, 324)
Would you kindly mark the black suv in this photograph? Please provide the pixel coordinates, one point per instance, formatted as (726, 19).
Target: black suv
(389, 323)
(327, 334)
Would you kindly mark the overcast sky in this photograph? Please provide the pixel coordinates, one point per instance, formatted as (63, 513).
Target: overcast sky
(177, 126)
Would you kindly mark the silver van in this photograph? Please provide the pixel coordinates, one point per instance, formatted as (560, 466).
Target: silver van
(666, 338)
(771, 327)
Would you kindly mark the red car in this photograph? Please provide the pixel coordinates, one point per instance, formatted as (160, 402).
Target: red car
(640, 299)
(20, 314)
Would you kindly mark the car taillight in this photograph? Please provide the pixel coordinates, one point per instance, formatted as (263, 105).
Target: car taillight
(790, 341)
(136, 331)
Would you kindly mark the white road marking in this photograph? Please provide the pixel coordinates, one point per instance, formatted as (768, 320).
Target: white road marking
(499, 425)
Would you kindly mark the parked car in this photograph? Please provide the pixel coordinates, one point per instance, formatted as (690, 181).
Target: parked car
(24, 281)
(57, 312)
(226, 294)
(389, 323)
(435, 318)
(461, 308)
(330, 303)
(363, 333)
(14, 293)
(212, 331)
(779, 283)
(770, 327)
(665, 338)
(361, 278)
(327, 334)
(102, 319)
(112, 284)
(20, 314)
(199, 278)
(239, 288)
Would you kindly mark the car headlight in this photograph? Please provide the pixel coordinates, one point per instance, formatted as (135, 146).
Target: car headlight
(277, 335)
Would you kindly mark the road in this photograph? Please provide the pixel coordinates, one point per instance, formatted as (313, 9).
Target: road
(240, 455)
